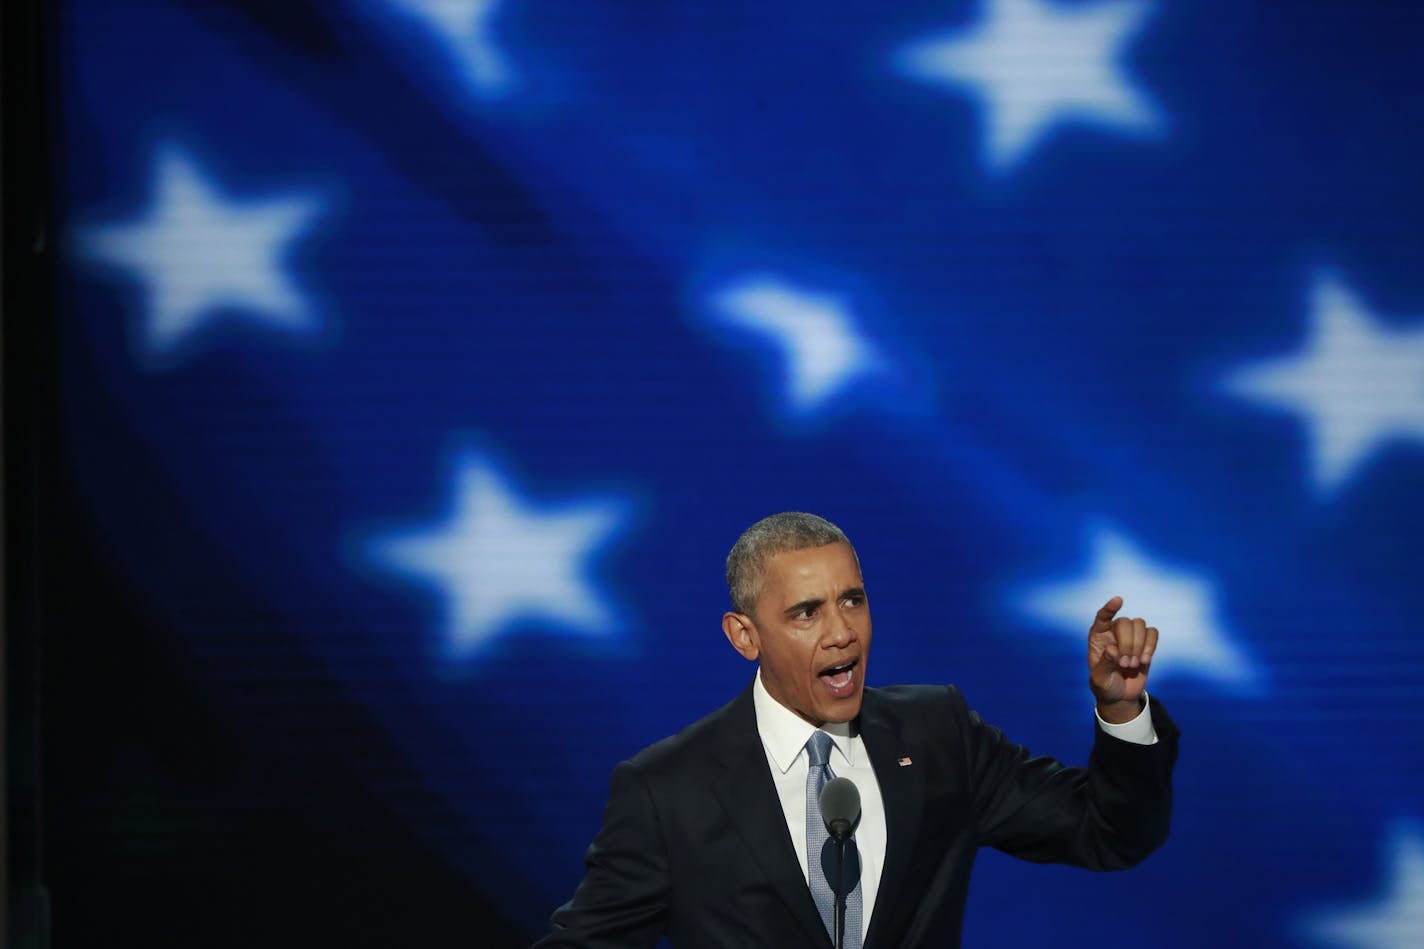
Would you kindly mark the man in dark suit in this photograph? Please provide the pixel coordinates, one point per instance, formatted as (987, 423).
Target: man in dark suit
(713, 837)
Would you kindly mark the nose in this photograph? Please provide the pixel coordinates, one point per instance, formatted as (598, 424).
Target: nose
(840, 631)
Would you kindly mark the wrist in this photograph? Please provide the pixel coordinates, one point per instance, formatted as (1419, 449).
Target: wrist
(1121, 712)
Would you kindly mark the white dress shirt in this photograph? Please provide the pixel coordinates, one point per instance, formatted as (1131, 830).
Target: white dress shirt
(783, 737)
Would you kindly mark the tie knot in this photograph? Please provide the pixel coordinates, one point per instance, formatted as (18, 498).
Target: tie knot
(818, 747)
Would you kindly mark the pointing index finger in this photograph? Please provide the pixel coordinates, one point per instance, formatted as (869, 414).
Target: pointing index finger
(1103, 622)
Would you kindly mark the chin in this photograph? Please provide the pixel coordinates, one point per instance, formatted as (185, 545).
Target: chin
(842, 711)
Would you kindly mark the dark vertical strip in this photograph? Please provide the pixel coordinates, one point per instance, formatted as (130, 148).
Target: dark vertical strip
(28, 334)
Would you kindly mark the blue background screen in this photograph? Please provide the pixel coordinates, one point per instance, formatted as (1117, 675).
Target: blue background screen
(419, 362)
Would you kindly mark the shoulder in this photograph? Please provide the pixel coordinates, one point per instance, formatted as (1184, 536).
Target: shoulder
(914, 701)
(927, 712)
(698, 742)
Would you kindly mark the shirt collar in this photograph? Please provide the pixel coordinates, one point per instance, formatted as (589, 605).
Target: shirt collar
(784, 733)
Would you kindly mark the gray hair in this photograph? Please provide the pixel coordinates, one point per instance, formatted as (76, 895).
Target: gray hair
(790, 530)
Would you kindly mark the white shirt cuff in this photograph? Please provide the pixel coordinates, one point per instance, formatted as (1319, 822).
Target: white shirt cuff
(1139, 731)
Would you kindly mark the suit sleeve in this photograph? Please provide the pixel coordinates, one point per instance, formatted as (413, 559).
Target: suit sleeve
(622, 899)
(1107, 816)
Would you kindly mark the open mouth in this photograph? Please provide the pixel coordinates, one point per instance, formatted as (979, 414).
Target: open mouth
(840, 678)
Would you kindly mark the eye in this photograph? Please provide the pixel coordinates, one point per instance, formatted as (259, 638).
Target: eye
(806, 613)
(853, 599)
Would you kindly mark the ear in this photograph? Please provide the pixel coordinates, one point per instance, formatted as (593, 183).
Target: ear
(742, 634)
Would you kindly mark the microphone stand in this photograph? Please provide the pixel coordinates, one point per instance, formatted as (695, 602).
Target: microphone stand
(840, 905)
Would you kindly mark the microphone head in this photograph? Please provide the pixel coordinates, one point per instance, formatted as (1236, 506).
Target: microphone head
(840, 808)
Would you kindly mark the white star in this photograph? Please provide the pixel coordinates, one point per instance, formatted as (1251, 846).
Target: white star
(823, 350)
(466, 28)
(201, 255)
(1180, 604)
(498, 559)
(1036, 65)
(1396, 921)
(1357, 385)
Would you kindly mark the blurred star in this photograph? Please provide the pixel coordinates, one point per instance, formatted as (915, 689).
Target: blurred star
(823, 349)
(1356, 385)
(1396, 920)
(466, 29)
(499, 557)
(1182, 606)
(201, 254)
(1037, 64)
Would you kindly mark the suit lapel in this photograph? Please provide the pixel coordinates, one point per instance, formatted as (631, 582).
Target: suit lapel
(747, 794)
(902, 790)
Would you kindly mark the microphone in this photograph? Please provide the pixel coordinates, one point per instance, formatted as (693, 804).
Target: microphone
(840, 808)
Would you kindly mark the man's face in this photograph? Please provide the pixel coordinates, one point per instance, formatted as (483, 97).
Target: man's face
(810, 631)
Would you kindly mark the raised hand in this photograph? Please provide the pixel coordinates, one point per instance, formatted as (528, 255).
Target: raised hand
(1119, 658)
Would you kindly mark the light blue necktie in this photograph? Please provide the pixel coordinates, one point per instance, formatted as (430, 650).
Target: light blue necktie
(820, 849)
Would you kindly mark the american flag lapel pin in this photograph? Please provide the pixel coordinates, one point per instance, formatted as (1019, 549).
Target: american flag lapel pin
(905, 762)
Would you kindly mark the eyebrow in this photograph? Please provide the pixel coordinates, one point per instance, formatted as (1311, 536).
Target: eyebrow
(804, 605)
(816, 602)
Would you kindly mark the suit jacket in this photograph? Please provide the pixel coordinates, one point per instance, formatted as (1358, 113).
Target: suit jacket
(694, 843)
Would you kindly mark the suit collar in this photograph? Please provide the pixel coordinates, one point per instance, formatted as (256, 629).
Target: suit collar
(747, 794)
(784, 733)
